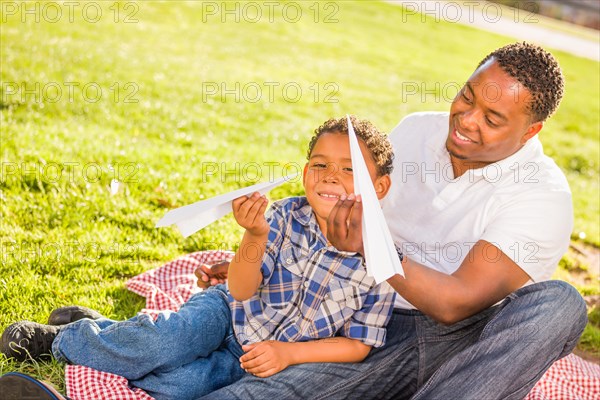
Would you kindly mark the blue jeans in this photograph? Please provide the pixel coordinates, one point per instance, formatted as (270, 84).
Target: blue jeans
(181, 355)
(499, 353)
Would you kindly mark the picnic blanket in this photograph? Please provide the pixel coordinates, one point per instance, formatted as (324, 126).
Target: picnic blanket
(169, 286)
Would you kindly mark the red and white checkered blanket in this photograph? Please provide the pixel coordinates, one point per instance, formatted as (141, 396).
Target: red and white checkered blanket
(169, 286)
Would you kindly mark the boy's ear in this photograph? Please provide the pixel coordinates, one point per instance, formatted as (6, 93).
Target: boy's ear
(382, 186)
(304, 174)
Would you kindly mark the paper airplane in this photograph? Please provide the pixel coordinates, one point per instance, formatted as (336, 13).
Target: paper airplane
(380, 253)
(191, 218)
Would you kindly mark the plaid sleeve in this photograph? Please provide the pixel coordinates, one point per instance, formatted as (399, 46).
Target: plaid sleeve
(276, 218)
(368, 324)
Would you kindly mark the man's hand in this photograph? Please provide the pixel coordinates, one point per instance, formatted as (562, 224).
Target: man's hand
(264, 359)
(212, 275)
(249, 212)
(344, 225)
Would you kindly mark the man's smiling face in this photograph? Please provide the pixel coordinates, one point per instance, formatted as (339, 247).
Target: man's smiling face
(489, 119)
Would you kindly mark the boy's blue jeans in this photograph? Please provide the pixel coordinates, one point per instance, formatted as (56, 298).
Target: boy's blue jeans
(499, 353)
(181, 355)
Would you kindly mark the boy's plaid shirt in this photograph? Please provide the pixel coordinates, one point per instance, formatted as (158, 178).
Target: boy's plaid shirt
(310, 290)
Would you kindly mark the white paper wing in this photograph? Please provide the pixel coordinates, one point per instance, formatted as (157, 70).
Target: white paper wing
(380, 253)
(191, 218)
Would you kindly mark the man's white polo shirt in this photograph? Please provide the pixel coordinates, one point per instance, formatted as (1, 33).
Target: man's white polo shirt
(521, 204)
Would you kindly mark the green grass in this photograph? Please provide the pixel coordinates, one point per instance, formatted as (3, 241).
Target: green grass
(67, 240)
(590, 340)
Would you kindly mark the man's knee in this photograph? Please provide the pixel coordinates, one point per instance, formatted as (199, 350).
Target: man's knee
(561, 311)
(568, 304)
(573, 314)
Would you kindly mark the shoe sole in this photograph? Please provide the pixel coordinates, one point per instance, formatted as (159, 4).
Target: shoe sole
(17, 386)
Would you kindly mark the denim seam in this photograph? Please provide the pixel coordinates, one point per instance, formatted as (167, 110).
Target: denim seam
(495, 317)
(421, 356)
(364, 376)
(427, 384)
(420, 364)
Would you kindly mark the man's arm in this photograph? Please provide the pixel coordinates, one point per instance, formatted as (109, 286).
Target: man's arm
(244, 276)
(270, 357)
(485, 277)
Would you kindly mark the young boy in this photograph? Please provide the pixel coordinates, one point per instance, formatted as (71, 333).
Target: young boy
(293, 298)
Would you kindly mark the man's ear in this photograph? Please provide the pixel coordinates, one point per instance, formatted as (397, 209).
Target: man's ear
(532, 131)
(382, 186)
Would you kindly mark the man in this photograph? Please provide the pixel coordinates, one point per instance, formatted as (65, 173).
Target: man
(480, 218)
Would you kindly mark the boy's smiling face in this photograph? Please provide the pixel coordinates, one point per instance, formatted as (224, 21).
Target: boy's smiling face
(328, 174)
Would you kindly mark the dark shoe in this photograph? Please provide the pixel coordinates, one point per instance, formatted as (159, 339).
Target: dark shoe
(66, 315)
(17, 386)
(26, 339)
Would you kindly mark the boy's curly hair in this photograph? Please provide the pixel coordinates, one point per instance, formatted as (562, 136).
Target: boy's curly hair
(537, 70)
(376, 141)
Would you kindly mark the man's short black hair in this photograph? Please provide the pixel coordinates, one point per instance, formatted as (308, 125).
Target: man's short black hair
(537, 70)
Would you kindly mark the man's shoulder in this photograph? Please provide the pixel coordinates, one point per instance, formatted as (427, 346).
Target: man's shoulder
(423, 123)
(425, 115)
(533, 172)
(424, 118)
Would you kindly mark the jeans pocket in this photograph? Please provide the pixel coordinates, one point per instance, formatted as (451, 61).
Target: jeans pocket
(293, 259)
(340, 302)
(343, 295)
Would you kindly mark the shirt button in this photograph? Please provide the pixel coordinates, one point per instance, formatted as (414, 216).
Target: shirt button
(348, 299)
(289, 261)
(306, 283)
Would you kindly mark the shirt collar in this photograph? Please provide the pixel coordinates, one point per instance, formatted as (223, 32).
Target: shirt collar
(493, 171)
(305, 215)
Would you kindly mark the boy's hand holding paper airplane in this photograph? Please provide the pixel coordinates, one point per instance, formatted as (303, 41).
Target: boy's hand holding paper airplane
(249, 212)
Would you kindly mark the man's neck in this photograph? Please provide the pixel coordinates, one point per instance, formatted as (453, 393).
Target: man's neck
(459, 166)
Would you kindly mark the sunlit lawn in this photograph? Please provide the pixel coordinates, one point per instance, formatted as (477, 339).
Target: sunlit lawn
(168, 126)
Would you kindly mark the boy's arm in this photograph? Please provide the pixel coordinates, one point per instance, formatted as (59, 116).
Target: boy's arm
(270, 357)
(244, 276)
